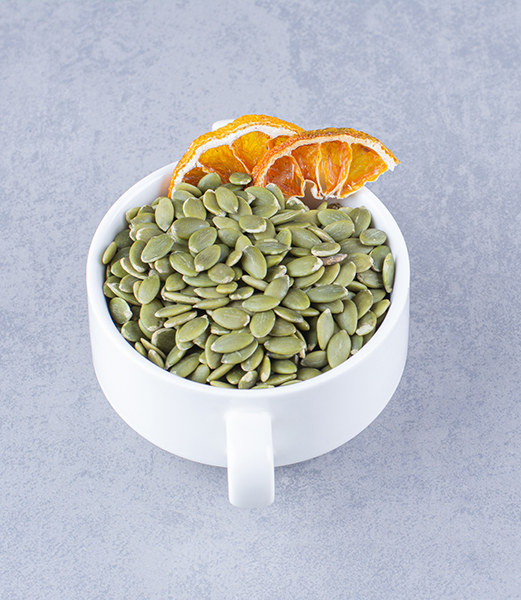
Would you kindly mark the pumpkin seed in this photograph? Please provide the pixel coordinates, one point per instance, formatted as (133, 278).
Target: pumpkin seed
(183, 263)
(362, 262)
(209, 181)
(278, 288)
(221, 273)
(231, 318)
(304, 266)
(207, 258)
(186, 366)
(258, 284)
(315, 360)
(211, 303)
(164, 214)
(373, 237)
(260, 303)
(348, 318)
(200, 374)
(361, 218)
(226, 200)
(254, 263)
(242, 293)
(284, 345)
(164, 339)
(325, 249)
(346, 274)
(232, 342)
(248, 380)
(380, 308)
(148, 317)
(194, 207)
(371, 278)
(241, 355)
(120, 310)
(210, 203)
(325, 328)
(180, 319)
(366, 324)
(262, 323)
(327, 293)
(363, 302)
(340, 230)
(134, 256)
(338, 349)
(388, 273)
(303, 238)
(282, 328)
(265, 369)
(240, 178)
(109, 253)
(307, 373)
(253, 224)
(148, 288)
(330, 274)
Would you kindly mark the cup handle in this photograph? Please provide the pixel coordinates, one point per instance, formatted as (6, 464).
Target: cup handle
(249, 447)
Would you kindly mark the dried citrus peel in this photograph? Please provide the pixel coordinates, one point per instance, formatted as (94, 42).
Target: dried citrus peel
(235, 147)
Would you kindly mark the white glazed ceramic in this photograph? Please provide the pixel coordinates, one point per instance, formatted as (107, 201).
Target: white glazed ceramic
(247, 431)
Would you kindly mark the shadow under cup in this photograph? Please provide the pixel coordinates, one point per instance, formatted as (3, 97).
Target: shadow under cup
(247, 431)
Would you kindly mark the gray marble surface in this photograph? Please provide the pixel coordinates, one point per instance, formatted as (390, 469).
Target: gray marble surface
(424, 504)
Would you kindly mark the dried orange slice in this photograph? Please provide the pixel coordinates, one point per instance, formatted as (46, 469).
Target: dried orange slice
(236, 147)
(330, 162)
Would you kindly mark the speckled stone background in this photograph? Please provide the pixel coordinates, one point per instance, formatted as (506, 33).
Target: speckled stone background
(422, 505)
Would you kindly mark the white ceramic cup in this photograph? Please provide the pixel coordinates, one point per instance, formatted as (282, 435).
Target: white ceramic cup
(248, 431)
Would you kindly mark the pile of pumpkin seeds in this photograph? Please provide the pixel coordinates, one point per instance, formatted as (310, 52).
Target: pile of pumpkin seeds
(236, 286)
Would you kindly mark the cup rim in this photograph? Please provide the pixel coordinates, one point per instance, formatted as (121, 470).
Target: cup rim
(99, 306)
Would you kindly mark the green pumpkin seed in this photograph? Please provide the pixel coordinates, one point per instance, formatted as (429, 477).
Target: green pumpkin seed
(184, 228)
(194, 207)
(260, 303)
(232, 342)
(148, 317)
(330, 275)
(258, 284)
(288, 314)
(109, 253)
(340, 230)
(338, 349)
(303, 238)
(180, 194)
(183, 263)
(378, 255)
(211, 181)
(231, 318)
(284, 237)
(346, 274)
(262, 323)
(335, 307)
(265, 369)
(363, 302)
(366, 324)
(373, 237)
(221, 273)
(164, 214)
(348, 318)
(210, 203)
(202, 239)
(371, 278)
(278, 288)
(327, 293)
(307, 373)
(140, 348)
(148, 288)
(275, 190)
(287, 345)
(380, 308)
(304, 266)
(315, 360)
(388, 273)
(282, 328)
(131, 331)
(207, 258)
(211, 303)
(164, 339)
(194, 328)
(328, 216)
(186, 366)
(146, 232)
(192, 189)
(134, 256)
(248, 380)
(240, 178)
(254, 263)
(253, 224)
(241, 355)
(305, 282)
(286, 216)
(120, 310)
(269, 234)
(361, 218)
(174, 283)
(226, 200)
(200, 374)
(325, 328)
(325, 249)
(296, 299)
(362, 262)
(271, 247)
(171, 311)
(354, 246)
